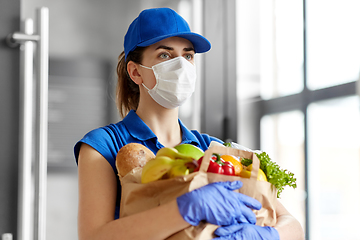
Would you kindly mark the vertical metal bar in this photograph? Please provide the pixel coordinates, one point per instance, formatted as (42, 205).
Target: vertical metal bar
(42, 62)
(197, 10)
(225, 119)
(357, 85)
(306, 142)
(25, 185)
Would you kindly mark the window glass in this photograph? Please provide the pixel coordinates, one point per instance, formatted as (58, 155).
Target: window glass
(333, 49)
(270, 48)
(282, 137)
(334, 169)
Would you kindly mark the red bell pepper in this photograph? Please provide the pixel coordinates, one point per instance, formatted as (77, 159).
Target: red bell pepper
(218, 165)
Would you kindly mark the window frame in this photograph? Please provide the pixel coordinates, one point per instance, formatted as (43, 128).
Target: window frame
(300, 101)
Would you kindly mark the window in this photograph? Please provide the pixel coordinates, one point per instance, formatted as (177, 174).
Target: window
(298, 62)
(334, 179)
(333, 37)
(270, 47)
(282, 137)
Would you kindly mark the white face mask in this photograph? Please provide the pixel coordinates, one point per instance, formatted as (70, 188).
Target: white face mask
(175, 82)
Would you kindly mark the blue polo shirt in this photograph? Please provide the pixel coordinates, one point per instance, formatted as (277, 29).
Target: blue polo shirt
(109, 139)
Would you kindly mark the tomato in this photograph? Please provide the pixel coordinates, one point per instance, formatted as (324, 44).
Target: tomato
(218, 165)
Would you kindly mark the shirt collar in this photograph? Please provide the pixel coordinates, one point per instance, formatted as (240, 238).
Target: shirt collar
(139, 130)
(188, 136)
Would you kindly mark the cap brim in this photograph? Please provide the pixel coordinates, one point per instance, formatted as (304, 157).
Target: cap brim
(200, 43)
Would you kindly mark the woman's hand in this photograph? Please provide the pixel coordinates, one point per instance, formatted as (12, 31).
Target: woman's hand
(216, 203)
(286, 228)
(246, 231)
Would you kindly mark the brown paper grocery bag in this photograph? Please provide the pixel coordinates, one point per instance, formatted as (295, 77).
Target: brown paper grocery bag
(137, 197)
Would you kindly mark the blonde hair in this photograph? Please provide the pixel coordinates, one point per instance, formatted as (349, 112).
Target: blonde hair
(127, 91)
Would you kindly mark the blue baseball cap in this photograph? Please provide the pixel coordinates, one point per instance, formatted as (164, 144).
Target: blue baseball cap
(155, 24)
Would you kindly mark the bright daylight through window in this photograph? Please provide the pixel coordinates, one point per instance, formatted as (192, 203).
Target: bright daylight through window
(297, 66)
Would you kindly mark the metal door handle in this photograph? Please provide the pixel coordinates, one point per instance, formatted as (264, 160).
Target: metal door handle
(42, 66)
(32, 219)
(25, 134)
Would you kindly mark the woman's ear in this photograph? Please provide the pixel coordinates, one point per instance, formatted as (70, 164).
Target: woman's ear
(134, 74)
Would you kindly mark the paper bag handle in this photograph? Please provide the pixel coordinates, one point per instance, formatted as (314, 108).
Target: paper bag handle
(222, 150)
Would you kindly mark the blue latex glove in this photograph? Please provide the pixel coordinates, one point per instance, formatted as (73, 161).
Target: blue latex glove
(246, 231)
(216, 203)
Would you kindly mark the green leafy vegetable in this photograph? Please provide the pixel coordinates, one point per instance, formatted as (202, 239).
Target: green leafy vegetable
(246, 162)
(276, 176)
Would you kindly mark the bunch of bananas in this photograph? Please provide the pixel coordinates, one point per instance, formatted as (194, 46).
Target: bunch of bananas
(168, 163)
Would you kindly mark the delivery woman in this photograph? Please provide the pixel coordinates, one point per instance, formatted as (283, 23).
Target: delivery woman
(156, 74)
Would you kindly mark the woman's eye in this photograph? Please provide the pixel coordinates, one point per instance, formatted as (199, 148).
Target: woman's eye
(189, 56)
(164, 55)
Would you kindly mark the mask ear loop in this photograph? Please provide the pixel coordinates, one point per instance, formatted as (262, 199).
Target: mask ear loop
(145, 87)
(143, 83)
(145, 67)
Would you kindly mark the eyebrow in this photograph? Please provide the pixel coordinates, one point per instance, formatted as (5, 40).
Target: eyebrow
(171, 49)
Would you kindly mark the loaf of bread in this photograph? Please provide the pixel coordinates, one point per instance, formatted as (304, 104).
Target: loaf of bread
(132, 155)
